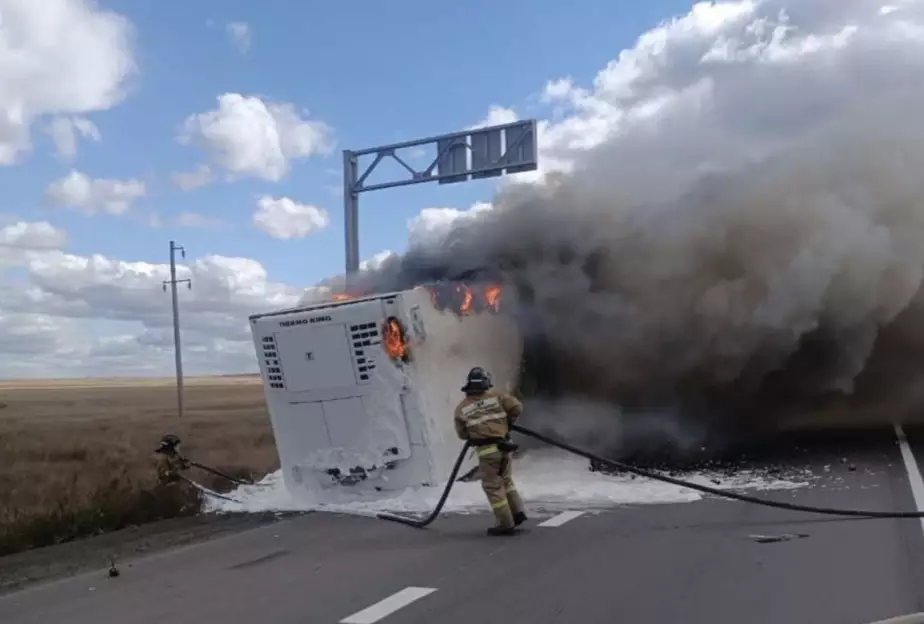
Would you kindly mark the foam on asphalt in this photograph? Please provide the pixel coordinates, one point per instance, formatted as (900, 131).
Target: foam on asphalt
(549, 479)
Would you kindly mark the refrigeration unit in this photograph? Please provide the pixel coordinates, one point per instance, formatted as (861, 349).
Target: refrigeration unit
(361, 391)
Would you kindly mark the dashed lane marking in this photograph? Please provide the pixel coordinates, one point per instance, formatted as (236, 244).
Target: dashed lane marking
(911, 467)
(389, 605)
(560, 519)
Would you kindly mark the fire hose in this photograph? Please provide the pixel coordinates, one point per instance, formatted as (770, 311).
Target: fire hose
(439, 505)
(170, 447)
(205, 490)
(551, 441)
(218, 473)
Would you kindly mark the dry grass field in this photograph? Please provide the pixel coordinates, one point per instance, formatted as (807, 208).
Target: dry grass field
(78, 459)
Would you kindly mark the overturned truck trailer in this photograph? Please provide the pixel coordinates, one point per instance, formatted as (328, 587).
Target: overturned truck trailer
(361, 391)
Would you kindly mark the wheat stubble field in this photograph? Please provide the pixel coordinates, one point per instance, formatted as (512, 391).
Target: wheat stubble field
(78, 459)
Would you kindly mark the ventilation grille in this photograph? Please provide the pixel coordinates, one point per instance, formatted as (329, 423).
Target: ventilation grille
(363, 336)
(271, 359)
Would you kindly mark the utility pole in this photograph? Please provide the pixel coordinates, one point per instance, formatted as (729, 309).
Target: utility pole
(173, 281)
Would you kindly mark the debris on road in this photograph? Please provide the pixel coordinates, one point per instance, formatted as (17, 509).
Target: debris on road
(771, 539)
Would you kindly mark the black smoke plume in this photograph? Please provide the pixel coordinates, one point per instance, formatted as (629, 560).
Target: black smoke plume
(780, 284)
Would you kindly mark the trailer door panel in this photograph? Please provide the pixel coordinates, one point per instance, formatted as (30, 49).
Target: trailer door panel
(315, 358)
(352, 425)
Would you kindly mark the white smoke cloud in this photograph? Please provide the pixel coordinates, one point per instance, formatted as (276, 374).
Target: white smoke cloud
(736, 212)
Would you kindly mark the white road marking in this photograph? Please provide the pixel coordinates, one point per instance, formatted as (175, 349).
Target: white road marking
(389, 605)
(560, 519)
(911, 467)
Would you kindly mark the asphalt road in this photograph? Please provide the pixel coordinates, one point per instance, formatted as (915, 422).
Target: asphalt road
(693, 563)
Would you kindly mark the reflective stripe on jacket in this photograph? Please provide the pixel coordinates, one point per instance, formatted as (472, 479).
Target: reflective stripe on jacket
(486, 415)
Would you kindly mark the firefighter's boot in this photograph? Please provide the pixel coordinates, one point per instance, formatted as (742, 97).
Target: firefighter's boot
(516, 504)
(505, 523)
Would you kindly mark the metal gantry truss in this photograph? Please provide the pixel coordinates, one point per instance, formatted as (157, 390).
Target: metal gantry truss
(474, 154)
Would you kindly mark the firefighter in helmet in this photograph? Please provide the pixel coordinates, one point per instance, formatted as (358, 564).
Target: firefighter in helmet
(483, 418)
(172, 463)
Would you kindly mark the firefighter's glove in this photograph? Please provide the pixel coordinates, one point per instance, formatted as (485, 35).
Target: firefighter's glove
(508, 447)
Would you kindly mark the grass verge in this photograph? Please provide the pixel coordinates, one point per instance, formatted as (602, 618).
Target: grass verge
(78, 458)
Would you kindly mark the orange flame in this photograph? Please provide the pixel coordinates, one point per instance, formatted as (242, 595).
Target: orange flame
(492, 297)
(464, 299)
(465, 306)
(393, 340)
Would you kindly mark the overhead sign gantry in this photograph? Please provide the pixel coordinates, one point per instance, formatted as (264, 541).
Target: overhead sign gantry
(474, 154)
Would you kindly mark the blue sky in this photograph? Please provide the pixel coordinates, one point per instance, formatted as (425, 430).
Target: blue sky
(390, 72)
(646, 94)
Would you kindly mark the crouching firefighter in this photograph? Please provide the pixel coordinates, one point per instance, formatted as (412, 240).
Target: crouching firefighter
(172, 463)
(483, 418)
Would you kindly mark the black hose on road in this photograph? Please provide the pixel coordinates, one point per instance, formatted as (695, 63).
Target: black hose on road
(648, 475)
(419, 524)
(715, 491)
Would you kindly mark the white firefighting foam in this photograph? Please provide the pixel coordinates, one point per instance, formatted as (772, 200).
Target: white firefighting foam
(549, 480)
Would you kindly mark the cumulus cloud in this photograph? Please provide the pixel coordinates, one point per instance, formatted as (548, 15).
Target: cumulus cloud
(376, 261)
(284, 218)
(91, 196)
(66, 58)
(64, 132)
(497, 115)
(559, 89)
(22, 336)
(20, 240)
(433, 225)
(713, 85)
(34, 235)
(428, 229)
(250, 136)
(239, 33)
(51, 317)
(78, 286)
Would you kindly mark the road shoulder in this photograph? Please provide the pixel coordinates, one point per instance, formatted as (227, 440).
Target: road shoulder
(50, 563)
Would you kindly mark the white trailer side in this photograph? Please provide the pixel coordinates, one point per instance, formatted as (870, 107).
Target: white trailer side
(347, 414)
